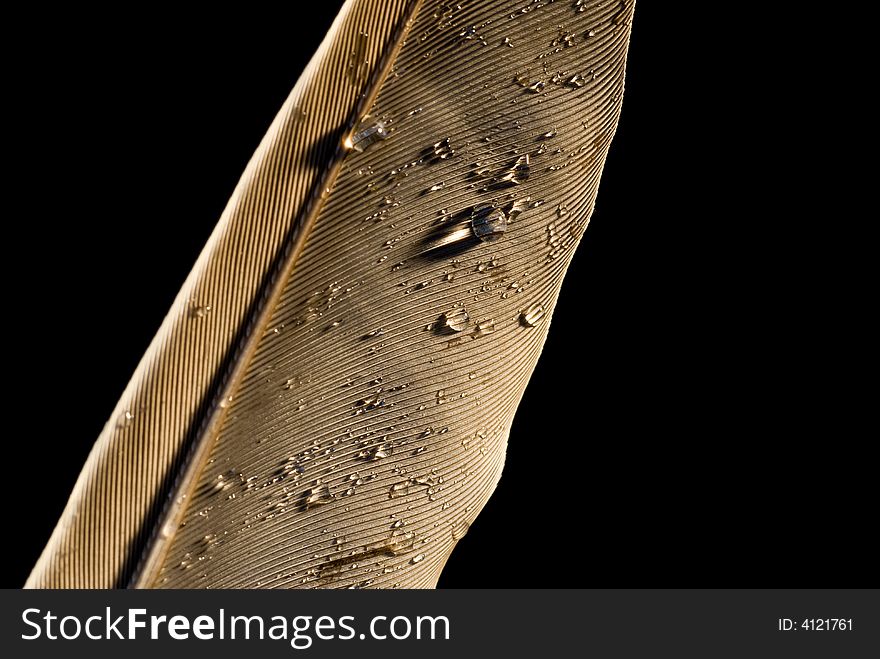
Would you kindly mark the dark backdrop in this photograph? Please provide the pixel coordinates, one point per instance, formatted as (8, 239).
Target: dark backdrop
(704, 451)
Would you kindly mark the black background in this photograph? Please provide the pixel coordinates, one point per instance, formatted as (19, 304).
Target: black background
(708, 421)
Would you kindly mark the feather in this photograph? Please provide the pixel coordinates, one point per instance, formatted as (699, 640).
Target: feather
(327, 402)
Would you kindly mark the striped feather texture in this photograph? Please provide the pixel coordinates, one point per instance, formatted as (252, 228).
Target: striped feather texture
(328, 401)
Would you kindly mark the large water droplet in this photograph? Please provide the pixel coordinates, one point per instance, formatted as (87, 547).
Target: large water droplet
(532, 316)
(368, 133)
(455, 320)
(418, 559)
(488, 222)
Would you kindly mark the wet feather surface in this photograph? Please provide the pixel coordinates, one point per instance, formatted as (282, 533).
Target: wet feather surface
(328, 402)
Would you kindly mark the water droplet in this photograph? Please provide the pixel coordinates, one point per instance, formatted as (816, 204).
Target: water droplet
(455, 320)
(537, 87)
(514, 174)
(441, 397)
(418, 559)
(517, 208)
(549, 134)
(419, 286)
(400, 489)
(442, 150)
(380, 452)
(576, 81)
(226, 480)
(566, 40)
(532, 316)
(487, 265)
(437, 186)
(368, 133)
(125, 419)
(488, 222)
(318, 495)
(200, 310)
(483, 328)
(369, 403)
(507, 42)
